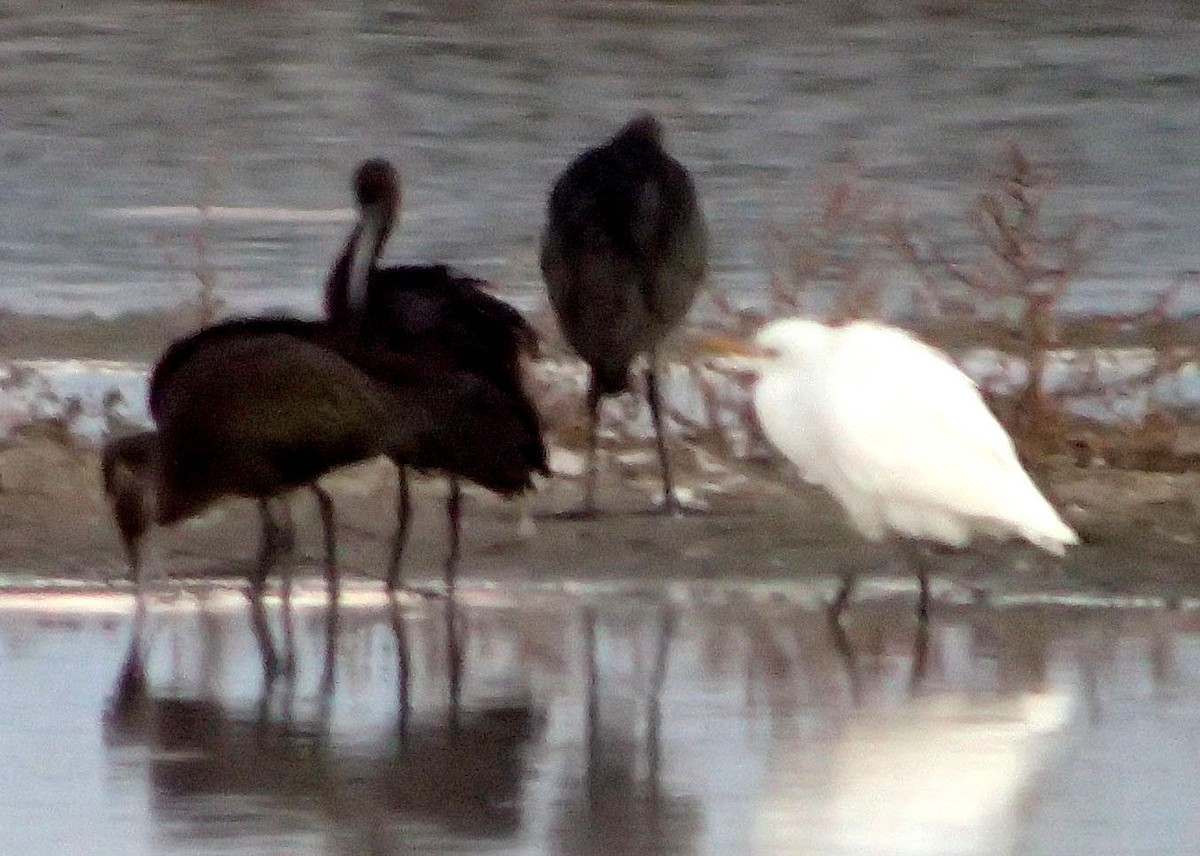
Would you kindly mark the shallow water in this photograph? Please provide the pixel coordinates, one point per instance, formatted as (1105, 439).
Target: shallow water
(119, 115)
(587, 719)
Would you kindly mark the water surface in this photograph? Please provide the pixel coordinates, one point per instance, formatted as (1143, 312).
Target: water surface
(121, 114)
(589, 720)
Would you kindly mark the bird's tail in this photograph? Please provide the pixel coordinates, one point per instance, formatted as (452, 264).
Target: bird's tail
(1053, 535)
(608, 379)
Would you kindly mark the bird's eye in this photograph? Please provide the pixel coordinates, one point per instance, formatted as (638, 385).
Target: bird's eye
(771, 353)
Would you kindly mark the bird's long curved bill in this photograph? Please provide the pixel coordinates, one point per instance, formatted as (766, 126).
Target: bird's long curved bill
(730, 346)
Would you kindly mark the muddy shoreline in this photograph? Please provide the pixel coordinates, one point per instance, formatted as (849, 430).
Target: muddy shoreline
(1140, 528)
(1139, 532)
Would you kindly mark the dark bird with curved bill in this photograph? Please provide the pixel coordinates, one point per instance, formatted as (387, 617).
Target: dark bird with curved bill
(623, 256)
(432, 314)
(259, 407)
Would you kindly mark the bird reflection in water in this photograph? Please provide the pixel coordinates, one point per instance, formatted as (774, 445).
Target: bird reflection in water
(456, 773)
(849, 653)
(619, 804)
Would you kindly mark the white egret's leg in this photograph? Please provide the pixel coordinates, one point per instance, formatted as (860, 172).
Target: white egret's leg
(841, 641)
(918, 562)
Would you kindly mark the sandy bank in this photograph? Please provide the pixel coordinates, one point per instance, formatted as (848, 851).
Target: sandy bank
(1140, 530)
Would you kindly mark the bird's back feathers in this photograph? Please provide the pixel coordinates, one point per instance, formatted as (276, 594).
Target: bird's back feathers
(624, 250)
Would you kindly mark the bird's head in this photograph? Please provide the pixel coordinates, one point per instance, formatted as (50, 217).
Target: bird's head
(778, 345)
(643, 127)
(129, 467)
(376, 183)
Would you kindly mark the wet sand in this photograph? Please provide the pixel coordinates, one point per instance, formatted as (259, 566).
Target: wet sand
(1139, 529)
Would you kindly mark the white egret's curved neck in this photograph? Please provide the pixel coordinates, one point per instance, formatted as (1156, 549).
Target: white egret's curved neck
(371, 235)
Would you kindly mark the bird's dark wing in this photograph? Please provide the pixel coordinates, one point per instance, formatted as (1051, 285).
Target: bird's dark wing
(448, 320)
(468, 426)
(671, 240)
(263, 413)
(623, 251)
(180, 352)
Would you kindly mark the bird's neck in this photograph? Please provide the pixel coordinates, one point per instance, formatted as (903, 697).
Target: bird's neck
(372, 232)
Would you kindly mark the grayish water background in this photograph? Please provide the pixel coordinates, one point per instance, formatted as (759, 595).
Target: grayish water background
(110, 106)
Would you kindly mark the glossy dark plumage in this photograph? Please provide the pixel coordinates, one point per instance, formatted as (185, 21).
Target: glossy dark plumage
(623, 256)
(429, 310)
(257, 407)
(432, 314)
(255, 416)
(438, 418)
(127, 465)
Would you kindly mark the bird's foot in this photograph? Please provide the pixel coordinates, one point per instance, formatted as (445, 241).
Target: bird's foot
(430, 591)
(585, 512)
(680, 501)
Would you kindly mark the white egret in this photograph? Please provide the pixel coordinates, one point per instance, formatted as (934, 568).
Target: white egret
(898, 434)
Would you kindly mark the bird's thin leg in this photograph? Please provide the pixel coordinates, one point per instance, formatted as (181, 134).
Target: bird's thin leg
(589, 486)
(286, 531)
(921, 642)
(841, 641)
(842, 598)
(454, 661)
(329, 529)
(920, 566)
(654, 707)
(454, 518)
(403, 516)
(268, 550)
(333, 588)
(262, 633)
(133, 551)
(129, 695)
(329, 669)
(670, 503)
(591, 677)
(258, 579)
(404, 669)
(285, 544)
(920, 657)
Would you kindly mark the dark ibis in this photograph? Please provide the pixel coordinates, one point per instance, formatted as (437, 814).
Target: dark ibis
(623, 255)
(258, 407)
(433, 314)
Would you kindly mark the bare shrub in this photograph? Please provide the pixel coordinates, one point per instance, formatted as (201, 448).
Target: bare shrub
(1020, 279)
(839, 249)
(206, 305)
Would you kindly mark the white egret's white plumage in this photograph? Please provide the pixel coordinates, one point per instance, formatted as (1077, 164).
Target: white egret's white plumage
(900, 437)
(898, 434)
